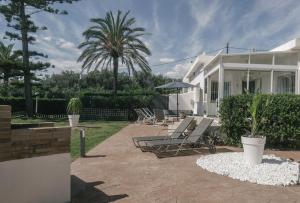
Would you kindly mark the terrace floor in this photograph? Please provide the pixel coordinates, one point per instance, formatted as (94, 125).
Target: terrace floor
(116, 171)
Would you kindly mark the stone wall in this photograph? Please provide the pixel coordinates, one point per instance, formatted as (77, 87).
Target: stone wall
(21, 142)
(5, 132)
(34, 161)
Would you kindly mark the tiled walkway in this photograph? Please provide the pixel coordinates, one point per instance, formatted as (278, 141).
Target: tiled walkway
(116, 171)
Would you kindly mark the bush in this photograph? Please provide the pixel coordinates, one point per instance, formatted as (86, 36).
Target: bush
(52, 106)
(45, 106)
(17, 104)
(110, 101)
(116, 102)
(104, 101)
(281, 127)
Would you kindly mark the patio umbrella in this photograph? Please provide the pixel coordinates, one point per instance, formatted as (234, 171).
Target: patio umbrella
(175, 85)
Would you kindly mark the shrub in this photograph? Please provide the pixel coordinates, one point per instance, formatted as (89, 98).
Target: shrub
(52, 106)
(45, 106)
(123, 100)
(17, 104)
(74, 106)
(281, 125)
(105, 101)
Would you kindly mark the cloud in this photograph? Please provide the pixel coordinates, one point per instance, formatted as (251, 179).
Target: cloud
(166, 60)
(275, 21)
(179, 29)
(61, 64)
(66, 45)
(155, 17)
(178, 71)
(204, 15)
(47, 38)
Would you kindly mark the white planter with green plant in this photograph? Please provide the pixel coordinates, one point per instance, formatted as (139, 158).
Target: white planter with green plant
(73, 110)
(254, 143)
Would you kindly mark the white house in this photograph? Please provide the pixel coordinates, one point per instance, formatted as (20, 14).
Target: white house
(216, 77)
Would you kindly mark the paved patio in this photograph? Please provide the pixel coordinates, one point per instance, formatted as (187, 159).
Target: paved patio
(116, 171)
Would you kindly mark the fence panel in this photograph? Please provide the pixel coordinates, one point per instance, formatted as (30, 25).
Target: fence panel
(86, 114)
(104, 114)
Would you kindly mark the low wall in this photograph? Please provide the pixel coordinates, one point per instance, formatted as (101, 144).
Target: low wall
(5, 133)
(34, 162)
(33, 142)
(185, 101)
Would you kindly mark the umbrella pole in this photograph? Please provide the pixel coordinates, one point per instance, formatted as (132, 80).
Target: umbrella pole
(177, 104)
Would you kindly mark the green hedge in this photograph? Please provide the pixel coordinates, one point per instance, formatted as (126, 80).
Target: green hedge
(45, 106)
(107, 101)
(17, 104)
(116, 102)
(282, 125)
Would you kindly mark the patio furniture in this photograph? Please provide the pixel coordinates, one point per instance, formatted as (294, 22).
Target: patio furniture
(178, 132)
(193, 141)
(159, 115)
(148, 112)
(144, 117)
(178, 86)
(140, 116)
(169, 117)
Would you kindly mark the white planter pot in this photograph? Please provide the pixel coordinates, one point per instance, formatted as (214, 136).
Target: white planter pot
(73, 120)
(253, 149)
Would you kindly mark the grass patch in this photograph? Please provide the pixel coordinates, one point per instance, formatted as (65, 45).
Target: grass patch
(95, 133)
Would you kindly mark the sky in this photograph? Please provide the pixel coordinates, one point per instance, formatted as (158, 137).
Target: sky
(177, 28)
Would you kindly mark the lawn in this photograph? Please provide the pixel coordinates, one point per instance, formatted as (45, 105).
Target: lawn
(95, 131)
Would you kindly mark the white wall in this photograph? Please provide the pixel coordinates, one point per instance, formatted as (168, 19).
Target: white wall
(44, 179)
(199, 82)
(199, 79)
(185, 101)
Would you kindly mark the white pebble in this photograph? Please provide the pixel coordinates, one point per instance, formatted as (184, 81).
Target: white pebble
(272, 171)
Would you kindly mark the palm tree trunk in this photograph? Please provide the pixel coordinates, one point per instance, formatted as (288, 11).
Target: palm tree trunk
(115, 72)
(27, 76)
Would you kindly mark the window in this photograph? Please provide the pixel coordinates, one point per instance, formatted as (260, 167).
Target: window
(214, 91)
(205, 86)
(286, 84)
(251, 87)
(227, 89)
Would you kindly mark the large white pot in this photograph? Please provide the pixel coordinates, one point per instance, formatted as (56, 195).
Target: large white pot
(253, 149)
(73, 120)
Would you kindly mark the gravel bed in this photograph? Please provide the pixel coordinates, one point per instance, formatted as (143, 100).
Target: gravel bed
(272, 171)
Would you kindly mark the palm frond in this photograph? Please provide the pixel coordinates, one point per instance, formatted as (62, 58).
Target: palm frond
(114, 37)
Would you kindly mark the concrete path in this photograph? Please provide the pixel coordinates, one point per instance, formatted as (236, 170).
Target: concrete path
(116, 171)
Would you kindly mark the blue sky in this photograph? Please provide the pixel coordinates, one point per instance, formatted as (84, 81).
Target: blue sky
(179, 28)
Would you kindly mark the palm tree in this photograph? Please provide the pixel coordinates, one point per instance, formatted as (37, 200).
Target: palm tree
(111, 40)
(9, 63)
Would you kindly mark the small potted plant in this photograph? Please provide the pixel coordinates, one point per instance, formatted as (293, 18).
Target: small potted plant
(73, 110)
(254, 142)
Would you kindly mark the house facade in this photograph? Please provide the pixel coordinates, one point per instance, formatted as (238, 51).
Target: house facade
(216, 77)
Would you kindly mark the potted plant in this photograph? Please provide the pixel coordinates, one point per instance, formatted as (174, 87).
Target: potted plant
(254, 142)
(73, 110)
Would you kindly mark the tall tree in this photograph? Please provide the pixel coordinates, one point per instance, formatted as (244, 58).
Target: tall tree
(9, 63)
(18, 14)
(113, 39)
